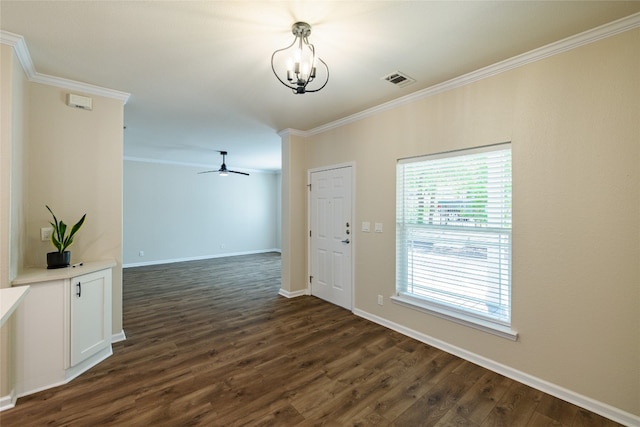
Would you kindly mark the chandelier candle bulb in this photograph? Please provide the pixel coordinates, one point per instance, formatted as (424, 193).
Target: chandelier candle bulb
(289, 69)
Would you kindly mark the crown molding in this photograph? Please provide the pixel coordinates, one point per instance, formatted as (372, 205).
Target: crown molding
(188, 164)
(81, 87)
(22, 53)
(20, 48)
(590, 36)
(292, 132)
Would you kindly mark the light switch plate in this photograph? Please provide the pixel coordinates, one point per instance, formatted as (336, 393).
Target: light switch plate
(378, 227)
(45, 233)
(366, 226)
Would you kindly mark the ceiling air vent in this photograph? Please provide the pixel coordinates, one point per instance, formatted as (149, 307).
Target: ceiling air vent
(399, 79)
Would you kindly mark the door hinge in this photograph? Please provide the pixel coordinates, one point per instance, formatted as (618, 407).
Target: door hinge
(309, 233)
(310, 279)
(309, 185)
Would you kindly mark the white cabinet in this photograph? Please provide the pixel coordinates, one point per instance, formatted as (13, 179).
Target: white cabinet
(63, 325)
(90, 314)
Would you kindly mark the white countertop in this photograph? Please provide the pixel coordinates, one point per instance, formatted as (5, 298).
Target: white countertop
(10, 298)
(36, 275)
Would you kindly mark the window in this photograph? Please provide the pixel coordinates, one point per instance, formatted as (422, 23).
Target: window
(454, 236)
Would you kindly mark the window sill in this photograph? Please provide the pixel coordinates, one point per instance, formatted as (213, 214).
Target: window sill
(459, 318)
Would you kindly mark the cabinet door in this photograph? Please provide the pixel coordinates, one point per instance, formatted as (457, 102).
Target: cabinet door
(90, 314)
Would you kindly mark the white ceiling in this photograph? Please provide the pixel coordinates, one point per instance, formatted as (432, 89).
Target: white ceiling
(200, 77)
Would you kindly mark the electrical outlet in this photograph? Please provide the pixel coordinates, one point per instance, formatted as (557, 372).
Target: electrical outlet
(222, 246)
(45, 233)
(380, 300)
(141, 253)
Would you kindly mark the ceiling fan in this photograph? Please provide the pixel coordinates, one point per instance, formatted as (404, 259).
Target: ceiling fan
(223, 171)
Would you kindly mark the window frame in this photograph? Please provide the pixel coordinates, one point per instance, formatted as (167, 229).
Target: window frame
(496, 324)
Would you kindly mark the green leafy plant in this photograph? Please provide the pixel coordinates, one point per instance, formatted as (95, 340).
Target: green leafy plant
(59, 238)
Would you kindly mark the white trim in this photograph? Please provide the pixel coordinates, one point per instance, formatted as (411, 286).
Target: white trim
(352, 166)
(290, 131)
(22, 52)
(73, 372)
(588, 403)
(197, 165)
(459, 318)
(8, 401)
(506, 145)
(197, 258)
(590, 36)
(120, 336)
(294, 294)
(20, 48)
(86, 88)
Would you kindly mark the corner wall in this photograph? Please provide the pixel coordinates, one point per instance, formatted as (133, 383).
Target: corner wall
(294, 214)
(574, 123)
(13, 86)
(74, 165)
(67, 158)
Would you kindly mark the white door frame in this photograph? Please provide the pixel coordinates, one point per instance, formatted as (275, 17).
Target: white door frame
(353, 243)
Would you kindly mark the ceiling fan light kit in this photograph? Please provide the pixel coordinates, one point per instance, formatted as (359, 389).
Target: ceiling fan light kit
(301, 61)
(223, 171)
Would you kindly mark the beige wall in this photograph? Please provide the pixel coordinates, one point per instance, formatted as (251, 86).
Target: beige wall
(67, 158)
(293, 223)
(74, 165)
(574, 123)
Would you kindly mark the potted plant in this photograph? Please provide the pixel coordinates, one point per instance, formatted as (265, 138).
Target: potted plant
(61, 240)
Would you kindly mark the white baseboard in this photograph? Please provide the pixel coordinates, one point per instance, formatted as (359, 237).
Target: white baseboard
(288, 294)
(8, 401)
(120, 336)
(67, 375)
(197, 258)
(585, 402)
(82, 367)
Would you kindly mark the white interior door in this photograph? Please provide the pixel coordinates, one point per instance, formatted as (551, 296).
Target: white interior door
(331, 235)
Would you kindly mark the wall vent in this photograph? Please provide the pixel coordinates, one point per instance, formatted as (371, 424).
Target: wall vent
(77, 101)
(399, 79)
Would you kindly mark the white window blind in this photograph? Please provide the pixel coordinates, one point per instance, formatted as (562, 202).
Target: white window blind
(454, 232)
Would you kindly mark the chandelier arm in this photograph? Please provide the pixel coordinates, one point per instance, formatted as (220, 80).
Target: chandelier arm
(326, 67)
(274, 69)
(312, 48)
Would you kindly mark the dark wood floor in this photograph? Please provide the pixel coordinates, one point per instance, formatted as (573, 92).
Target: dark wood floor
(211, 343)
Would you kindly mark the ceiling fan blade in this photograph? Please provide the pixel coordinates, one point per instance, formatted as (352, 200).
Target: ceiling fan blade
(223, 168)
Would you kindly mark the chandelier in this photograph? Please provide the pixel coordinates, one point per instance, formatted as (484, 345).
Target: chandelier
(298, 63)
